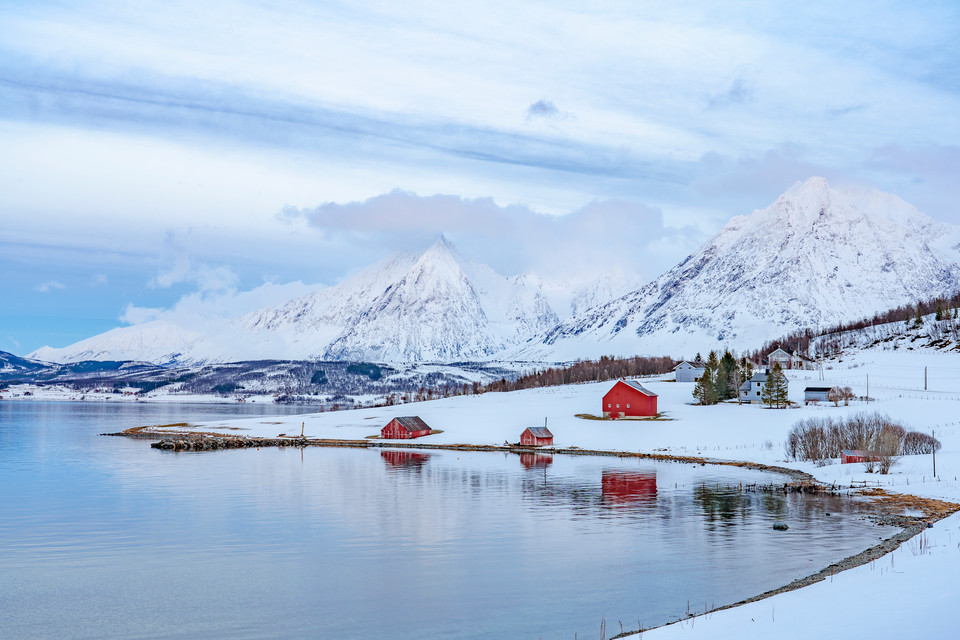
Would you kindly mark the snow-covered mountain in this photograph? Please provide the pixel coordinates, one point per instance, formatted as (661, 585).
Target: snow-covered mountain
(816, 256)
(431, 307)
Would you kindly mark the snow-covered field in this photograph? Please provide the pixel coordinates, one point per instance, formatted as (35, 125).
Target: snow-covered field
(906, 592)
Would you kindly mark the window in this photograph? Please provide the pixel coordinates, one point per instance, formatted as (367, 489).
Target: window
(618, 405)
(628, 406)
(609, 405)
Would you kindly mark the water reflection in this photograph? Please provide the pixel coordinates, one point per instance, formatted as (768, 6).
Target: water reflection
(628, 487)
(536, 460)
(400, 459)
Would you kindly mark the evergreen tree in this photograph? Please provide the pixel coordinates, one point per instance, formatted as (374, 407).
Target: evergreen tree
(939, 315)
(774, 391)
(728, 388)
(781, 387)
(919, 321)
(705, 390)
(698, 359)
(713, 366)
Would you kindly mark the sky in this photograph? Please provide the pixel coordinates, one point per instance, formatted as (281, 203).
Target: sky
(220, 156)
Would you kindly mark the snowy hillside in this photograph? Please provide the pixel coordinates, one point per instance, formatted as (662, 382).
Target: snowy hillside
(432, 307)
(816, 256)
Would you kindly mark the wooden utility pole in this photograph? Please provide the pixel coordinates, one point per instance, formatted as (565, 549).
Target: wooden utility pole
(868, 387)
(924, 378)
(934, 447)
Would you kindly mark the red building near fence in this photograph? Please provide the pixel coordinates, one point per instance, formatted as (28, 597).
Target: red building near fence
(536, 437)
(848, 456)
(405, 428)
(629, 399)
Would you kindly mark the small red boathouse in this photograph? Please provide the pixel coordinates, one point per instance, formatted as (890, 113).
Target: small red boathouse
(629, 399)
(849, 456)
(536, 437)
(405, 428)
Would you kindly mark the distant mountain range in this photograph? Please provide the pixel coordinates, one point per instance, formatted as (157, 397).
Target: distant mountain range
(816, 256)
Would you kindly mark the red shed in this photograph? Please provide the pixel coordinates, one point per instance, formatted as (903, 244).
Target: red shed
(629, 399)
(849, 456)
(536, 437)
(405, 428)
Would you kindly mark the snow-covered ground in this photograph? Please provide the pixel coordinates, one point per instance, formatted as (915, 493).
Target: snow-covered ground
(905, 592)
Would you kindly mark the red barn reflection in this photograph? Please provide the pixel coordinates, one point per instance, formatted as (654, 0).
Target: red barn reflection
(628, 486)
(404, 459)
(536, 460)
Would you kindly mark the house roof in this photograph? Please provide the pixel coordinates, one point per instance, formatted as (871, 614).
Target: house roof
(824, 389)
(776, 350)
(633, 384)
(540, 432)
(691, 364)
(759, 376)
(412, 423)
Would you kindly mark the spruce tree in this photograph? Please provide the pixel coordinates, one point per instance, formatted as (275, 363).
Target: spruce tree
(769, 392)
(780, 386)
(728, 387)
(939, 316)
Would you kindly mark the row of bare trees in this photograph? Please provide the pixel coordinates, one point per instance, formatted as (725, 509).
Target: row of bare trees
(946, 311)
(878, 436)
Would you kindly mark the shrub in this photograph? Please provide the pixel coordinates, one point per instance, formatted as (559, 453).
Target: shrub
(817, 439)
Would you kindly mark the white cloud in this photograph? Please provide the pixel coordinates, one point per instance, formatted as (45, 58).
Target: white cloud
(199, 308)
(50, 285)
(513, 238)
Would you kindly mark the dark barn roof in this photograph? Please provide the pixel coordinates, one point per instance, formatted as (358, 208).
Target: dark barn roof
(540, 432)
(412, 423)
(633, 384)
(824, 389)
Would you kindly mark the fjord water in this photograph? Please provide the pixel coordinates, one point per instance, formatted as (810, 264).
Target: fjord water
(105, 537)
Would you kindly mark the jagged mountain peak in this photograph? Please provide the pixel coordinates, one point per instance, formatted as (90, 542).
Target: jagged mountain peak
(817, 255)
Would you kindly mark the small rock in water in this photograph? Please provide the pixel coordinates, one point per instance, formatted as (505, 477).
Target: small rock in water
(780, 526)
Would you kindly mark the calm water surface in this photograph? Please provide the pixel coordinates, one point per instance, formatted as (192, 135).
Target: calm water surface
(107, 538)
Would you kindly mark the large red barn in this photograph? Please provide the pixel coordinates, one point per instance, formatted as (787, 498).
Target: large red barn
(536, 437)
(405, 428)
(629, 399)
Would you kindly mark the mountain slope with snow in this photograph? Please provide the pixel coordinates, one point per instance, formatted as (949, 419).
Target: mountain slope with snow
(816, 256)
(432, 307)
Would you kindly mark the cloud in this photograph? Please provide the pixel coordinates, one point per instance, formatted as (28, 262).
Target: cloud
(185, 270)
(50, 285)
(739, 92)
(99, 280)
(512, 238)
(14, 342)
(846, 110)
(546, 110)
(200, 308)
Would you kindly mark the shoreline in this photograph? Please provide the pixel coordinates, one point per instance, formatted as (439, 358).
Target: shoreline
(885, 503)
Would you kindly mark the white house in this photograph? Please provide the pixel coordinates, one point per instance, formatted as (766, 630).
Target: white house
(688, 371)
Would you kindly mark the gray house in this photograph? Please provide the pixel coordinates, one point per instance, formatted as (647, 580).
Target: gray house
(751, 389)
(688, 371)
(816, 394)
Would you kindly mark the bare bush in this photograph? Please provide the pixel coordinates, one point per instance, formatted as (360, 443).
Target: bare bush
(820, 438)
(917, 443)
